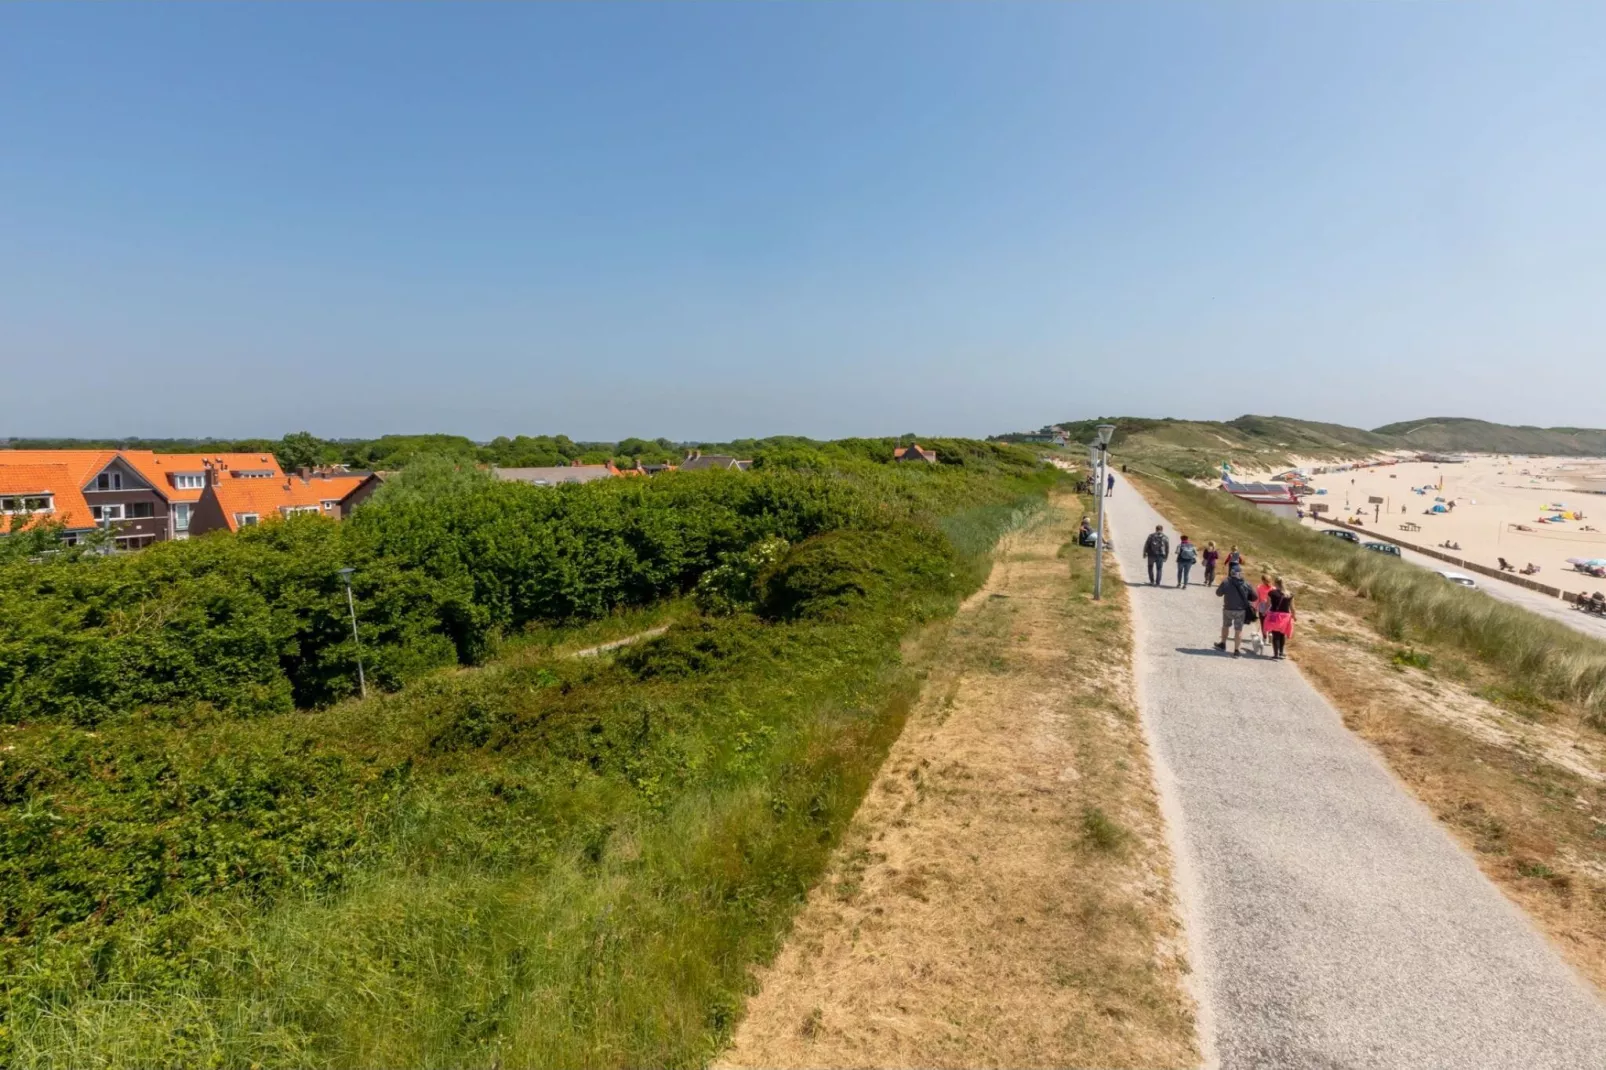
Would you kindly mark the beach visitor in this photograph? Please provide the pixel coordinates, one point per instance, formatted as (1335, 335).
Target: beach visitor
(1186, 556)
(1234, 559)
(1236, 598)
(1211, 556)
(1156, 548)
(1280, 621)
(1084, 534)
(1262, 594)
(1109, 484)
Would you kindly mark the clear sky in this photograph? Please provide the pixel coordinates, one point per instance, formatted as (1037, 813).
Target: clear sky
(715, 220)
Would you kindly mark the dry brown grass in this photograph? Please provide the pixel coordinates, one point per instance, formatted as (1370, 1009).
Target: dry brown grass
(1004, 895)
(1517, 777)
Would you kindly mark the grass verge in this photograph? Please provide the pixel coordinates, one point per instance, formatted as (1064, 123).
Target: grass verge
(1003, 895)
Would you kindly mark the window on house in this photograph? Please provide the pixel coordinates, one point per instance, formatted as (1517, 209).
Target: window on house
(246, 520)
(109, 481)
(28, 504)
(134, 542)
(189, 482)
(106, 513)
(292, 510)
(139, 510)
(181, 516)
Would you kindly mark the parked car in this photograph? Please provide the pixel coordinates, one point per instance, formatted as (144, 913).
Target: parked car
(1459, 577)
(1340, 533)
(1383, 548)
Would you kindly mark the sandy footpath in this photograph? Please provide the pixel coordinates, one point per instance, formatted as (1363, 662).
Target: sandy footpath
(1003, 896)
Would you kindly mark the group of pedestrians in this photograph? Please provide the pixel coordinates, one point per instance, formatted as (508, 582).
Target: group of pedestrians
(1271, 604)
(1157, 550)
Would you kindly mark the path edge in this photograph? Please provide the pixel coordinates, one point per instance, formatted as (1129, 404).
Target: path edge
(1198, 982)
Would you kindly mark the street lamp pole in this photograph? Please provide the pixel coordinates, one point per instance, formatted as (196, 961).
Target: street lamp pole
(362, 679)
(1102, 490)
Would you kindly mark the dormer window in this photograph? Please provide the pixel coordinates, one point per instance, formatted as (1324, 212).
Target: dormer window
(32, 503)
(189, 482)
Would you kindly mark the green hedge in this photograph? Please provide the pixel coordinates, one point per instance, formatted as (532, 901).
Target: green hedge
(257, 623)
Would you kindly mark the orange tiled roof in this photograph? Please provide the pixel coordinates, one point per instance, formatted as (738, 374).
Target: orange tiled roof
(58, 480)
(81, 464)
(268, 498)
(157, 467)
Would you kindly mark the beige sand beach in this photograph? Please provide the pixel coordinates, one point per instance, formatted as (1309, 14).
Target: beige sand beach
(1491, 496)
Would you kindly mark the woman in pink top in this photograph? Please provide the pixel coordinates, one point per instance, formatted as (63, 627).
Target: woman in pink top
(1263, 602)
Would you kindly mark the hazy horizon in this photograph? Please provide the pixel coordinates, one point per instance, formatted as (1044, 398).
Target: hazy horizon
(707, 221)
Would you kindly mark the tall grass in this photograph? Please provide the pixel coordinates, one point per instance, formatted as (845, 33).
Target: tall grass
(1413, 603)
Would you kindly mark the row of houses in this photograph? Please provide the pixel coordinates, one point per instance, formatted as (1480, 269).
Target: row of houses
(147, 497)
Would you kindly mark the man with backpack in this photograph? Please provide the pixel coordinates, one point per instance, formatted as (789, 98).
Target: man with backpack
(1156, 548)
(1237, 605)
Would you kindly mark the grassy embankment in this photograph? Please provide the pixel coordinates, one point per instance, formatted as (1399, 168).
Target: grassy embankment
(542, 861)
(1495, 717)
(1003, 895)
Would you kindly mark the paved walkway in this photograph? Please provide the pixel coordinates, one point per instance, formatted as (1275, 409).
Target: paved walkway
(1335, 923)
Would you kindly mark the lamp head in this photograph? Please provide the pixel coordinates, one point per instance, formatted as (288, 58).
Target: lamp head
(1106, 431)
(345, 573)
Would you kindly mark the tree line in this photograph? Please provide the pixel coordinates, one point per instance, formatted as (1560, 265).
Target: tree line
(446, 559)
(391, 452)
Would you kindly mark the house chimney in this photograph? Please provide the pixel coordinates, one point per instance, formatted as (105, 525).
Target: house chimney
(304, 472)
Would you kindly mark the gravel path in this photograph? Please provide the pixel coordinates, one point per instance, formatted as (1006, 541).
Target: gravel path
(1335, 924)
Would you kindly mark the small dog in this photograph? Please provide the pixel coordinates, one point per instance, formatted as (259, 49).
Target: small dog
(1259, 644)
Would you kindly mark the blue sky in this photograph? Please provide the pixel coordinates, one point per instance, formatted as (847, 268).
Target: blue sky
(715, 220)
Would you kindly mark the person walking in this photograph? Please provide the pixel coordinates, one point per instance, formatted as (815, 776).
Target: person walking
(1280, 621)
(1186, 556)
(1211, 556)
(1262, 603)
(1109, 484)
(1156, 548)
(1234, 559)
(1236, 598)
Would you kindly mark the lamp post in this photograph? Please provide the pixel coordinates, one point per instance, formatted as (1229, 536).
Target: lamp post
(362, 679)
(1105, 432)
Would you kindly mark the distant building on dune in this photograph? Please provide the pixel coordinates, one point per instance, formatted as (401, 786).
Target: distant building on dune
(1276, 498)
(914, 452)
(698, 461)
(1049, 435)
(552, 475)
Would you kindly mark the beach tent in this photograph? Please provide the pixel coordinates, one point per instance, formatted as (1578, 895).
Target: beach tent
(1440, 509)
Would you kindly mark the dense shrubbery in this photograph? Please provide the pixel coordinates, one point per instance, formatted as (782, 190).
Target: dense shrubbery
(256, 623)
(541, 862)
